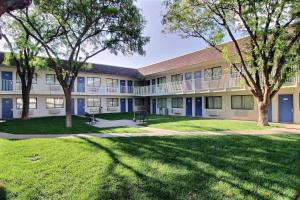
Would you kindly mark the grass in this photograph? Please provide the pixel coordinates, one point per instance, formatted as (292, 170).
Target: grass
(202, 167)
(188, 124)
(51, 125)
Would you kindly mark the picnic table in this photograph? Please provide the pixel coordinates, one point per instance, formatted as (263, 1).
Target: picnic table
(141, 116)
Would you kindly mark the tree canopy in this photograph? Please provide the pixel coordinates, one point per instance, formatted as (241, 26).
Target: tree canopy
(271, 52)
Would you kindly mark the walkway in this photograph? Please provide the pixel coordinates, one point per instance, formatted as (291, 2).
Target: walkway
(157, 132)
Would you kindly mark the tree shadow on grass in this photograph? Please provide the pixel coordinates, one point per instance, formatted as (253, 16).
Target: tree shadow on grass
(207, 167)
(257, 161)
(3, 195)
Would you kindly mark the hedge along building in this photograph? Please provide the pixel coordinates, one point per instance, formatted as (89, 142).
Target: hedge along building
(199, 84)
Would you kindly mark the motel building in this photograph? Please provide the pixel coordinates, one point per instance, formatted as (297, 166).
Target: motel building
(199, 84)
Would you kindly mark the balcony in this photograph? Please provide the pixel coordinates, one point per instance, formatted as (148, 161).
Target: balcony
(222, 83)
(6, 85)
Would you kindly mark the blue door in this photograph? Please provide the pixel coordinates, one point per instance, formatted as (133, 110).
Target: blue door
(129, 86)
(123, 105)
(6, 82)
(198, 80)
(189, 107)
(122, 86)
(80, 84)
(7, 108)
(130, 105)
(286, 108)
(188, 78)
(198, 111)
(153, 85)
(80, 106)
(72, 107)
(153, 106)
(270, 112)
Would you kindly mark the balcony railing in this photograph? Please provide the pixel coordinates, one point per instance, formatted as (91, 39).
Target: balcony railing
(220, 83)
(226, 82)
(6, 85)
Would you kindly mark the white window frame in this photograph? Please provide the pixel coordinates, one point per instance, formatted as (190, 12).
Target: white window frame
(55, 103)
(96, 102)
(176, 102)
(112, 102)
(19, 103)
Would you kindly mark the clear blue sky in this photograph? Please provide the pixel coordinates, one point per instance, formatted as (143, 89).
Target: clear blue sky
(161, 47)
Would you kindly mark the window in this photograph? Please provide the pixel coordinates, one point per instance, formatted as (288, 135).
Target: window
(112, 82)
(244, 102)
(139, 101)
(234, 73)
(213, 73)
(54, 103)
(93, 81)
(32, 103)
(161, 80)
(51, 79)
(177, 77)
(112, 102)
(162, 103)
(213, 102)
(177, 102)
(93, 102)
(34, 78)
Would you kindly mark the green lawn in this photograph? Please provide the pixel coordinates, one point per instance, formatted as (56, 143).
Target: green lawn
(203, 167)
(188, 124)
(49, 125)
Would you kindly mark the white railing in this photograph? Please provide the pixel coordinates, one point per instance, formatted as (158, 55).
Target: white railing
(222, 83)
(6, 85)
(112, 89)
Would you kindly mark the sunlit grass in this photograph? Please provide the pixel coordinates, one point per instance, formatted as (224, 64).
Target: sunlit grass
(202, 167)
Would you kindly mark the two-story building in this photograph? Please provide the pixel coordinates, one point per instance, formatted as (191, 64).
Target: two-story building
(199, 84)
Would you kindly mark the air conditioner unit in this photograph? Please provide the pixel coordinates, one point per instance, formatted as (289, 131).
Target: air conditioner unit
(177, 111)
(54, 111)
(29, 113)
(94, 110)
(213, 113)
(113, 109)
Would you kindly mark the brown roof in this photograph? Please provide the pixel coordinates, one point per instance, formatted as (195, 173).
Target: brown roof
(102, 69)
(197, 57)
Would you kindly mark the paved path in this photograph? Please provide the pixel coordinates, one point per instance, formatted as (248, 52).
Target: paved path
(156, 132)
(103, 123)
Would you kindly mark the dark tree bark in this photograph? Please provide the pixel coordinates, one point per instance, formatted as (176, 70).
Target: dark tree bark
(68, 95)
(26, 80)
(11, 5)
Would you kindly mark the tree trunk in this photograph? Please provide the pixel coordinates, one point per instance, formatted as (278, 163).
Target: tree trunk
(25, 99)
(68, 96)
(262, 114)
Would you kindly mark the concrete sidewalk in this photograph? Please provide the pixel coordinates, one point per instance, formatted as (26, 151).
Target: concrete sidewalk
(156, 132)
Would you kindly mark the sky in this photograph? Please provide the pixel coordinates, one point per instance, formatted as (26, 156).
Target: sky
(162, 46)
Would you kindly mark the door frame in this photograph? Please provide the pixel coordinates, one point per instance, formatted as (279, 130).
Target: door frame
(79, 104)
(186, 106)
(201, 107)
(153, 108)
(123, 105)
(131, 102)
(292, 111)
(11, 109)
